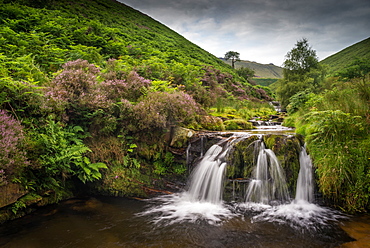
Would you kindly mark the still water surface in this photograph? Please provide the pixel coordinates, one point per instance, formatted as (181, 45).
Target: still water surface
(120, 222)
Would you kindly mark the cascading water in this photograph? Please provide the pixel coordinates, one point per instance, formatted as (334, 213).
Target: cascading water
(268, 181)
(305, 183)
(301, 212)
(203, 199)
(207, 178)
(267, 192)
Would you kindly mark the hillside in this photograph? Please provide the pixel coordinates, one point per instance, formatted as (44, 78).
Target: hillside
(95, 92)
(345, 57)
(261, 70)
(93, 30)
(44, 35)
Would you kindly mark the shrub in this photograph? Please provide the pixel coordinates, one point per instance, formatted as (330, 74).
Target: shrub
(76, 92)
(162, 109)
(338, 145)
(62, 155)
(132, 87)
(12, 155)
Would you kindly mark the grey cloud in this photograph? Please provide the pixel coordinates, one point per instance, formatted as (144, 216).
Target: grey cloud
(263, 30)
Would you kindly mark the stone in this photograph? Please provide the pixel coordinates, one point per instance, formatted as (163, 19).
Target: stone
(180, 136)
(10, 193)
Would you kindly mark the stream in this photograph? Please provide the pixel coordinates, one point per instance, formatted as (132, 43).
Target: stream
(119, 222)
(198, 216)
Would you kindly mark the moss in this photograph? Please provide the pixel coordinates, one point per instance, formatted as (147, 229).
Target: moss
(212, 123)
(31, 201)
(241, 158)
(286, 149)
(238, 124)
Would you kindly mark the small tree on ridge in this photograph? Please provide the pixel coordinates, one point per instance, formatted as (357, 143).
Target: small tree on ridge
(233, 56)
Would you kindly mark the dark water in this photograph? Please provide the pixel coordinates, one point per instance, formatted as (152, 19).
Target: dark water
(113, 222)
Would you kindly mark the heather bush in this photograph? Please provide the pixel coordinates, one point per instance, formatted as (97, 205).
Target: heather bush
(12, 154)
(161, 109)
(75, 92)
(131, 87)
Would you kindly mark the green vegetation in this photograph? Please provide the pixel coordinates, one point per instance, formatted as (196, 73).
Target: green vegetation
(233, 57)
(343, 59)
(333, 115)
(89, 91)
(302, 72)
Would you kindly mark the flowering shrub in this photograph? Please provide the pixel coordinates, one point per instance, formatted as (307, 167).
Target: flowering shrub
(131, 88)
(76, 90)
(12, 157)
(161, 109)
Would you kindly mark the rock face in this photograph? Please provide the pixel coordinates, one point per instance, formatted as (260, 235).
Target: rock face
(9, 194)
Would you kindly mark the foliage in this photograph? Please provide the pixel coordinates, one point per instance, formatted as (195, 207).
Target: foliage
(162, 109)
(62, 155)
(302, 72)
(75, 90)
(164, 164)
(340, 152)
(233, 56)
(22, 99)
(12, 154)
(299, 61)
(359, 68)
(344, 58)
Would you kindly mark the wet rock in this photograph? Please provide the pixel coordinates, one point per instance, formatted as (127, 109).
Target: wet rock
(10, 193)
(180, 136)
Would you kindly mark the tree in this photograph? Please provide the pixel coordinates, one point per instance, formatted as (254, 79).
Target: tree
(233, 56)
(299, 61)
(246, 73)
(301, 71)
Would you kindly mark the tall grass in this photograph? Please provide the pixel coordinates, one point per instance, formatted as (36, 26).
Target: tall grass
(336, 124)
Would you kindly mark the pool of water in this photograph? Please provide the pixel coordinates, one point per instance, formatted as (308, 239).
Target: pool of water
(164, 222)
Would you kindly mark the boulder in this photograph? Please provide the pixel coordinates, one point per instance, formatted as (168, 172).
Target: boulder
(180, 136)
(10, 193)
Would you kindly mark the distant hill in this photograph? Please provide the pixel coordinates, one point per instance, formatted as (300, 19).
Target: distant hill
(261, 70)
(345, 57)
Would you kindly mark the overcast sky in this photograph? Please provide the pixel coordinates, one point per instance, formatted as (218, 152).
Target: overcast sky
(263, 30)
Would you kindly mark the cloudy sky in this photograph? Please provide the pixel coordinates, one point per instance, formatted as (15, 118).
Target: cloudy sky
(263, 30)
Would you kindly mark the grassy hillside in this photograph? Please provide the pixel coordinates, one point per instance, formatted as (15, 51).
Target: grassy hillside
(40, 36)
(345, 57)
(57, 31)
(261, 70)
(91, 92)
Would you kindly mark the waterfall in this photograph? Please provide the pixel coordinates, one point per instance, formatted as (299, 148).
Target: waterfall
(207, 178)
(268, 181)
(305, 181)
(266, 197)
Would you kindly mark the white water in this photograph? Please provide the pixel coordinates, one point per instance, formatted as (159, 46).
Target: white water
(207, 178)
(305, 183)
(268, 181)
(300, 213)
(203, 199)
